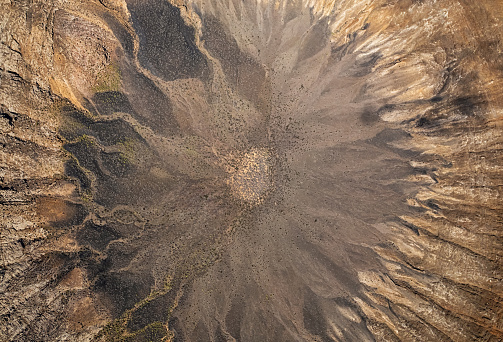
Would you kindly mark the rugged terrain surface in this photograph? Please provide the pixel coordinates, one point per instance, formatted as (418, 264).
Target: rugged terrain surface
(251, 170)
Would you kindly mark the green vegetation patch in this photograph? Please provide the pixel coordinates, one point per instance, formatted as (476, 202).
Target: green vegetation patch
(117, 330)
(108, 80)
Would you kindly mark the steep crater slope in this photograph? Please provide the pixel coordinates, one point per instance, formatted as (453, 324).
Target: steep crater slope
(251, 170)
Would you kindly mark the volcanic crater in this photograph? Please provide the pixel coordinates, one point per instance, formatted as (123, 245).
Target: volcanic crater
(251, 170)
